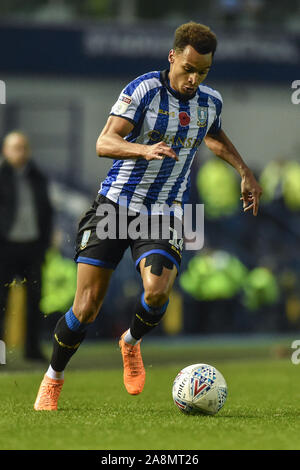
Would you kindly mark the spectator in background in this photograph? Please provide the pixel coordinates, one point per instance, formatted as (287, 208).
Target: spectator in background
(25, 230)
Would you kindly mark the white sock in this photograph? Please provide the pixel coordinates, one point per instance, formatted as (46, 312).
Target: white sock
(128, 338)
(53, 374)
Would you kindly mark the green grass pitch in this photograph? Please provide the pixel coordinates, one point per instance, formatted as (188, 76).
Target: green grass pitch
(95, 412)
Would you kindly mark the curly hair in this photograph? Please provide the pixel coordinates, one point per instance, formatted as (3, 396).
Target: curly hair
(197, 35)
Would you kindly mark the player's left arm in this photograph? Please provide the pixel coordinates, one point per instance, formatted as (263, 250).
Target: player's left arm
(223, 148)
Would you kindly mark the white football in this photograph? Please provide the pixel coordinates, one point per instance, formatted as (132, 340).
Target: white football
(199, 388)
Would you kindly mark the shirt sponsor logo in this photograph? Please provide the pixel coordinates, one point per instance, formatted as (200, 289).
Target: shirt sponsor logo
(169, 139)
(166, 113)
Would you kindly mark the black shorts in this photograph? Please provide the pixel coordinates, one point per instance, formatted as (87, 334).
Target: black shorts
(92, 247)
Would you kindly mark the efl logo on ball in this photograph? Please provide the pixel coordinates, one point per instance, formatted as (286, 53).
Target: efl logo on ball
(199, 389)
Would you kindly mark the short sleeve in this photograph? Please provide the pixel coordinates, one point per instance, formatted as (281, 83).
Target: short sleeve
(217, 123)
(135, 97)
(126, 106)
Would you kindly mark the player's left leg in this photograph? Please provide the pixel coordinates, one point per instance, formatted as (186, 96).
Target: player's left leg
(157, 255)
(158, 273)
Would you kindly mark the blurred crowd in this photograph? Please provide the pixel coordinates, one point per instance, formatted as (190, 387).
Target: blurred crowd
(249, 269)
(221, 13)
(246, 278)
(25, 234)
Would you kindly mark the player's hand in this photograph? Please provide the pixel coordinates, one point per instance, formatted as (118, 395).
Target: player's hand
(159, 151)
(251, 192)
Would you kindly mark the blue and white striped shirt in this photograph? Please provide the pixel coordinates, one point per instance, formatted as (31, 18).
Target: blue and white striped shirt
(159, 113)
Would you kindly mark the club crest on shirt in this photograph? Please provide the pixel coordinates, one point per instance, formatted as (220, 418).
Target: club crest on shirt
(85, 238)
(202, 112)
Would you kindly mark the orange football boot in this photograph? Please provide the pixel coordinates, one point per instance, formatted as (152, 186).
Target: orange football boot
(134, 372)
(48, 394)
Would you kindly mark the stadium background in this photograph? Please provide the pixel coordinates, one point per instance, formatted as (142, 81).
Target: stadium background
(64, 64)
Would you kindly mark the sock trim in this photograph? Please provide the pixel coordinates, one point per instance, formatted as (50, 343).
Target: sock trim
(157, 310)
(73, 323)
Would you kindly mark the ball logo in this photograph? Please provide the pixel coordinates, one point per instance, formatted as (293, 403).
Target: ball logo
(199, 387)
(184, 118)
(181, 405)
(204, 390)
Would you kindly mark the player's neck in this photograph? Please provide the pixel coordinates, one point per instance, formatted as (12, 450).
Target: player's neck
(172, 90)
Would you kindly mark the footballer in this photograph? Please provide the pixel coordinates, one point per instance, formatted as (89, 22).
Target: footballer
(152, 134)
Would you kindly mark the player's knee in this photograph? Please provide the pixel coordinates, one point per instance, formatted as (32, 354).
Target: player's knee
(87, 307)
(155, 295)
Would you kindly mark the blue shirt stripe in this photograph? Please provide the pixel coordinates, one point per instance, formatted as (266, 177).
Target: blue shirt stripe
(202, 101)
(140, 166)
(168, 163)
(216, 125)
(155, 111)
(186, 193)
(131, 87)
(139, 118)
(140, 113)
(111, 176)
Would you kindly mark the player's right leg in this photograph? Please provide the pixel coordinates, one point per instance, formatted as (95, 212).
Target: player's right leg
(70, 330)
(96, 258)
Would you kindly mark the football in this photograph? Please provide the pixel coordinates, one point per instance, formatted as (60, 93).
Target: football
(199, 389)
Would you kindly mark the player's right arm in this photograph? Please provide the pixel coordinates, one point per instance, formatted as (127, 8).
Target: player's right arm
(111, 143)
